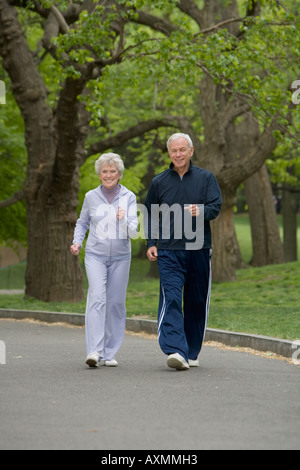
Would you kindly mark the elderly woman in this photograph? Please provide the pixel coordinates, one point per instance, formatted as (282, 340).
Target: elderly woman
(109, 212)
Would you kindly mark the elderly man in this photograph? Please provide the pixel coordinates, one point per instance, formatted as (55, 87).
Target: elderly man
(182, 192)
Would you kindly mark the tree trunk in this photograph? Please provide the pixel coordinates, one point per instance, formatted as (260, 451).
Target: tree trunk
(289, 217)
(51, 202)
(266, 242)
(52, 274)
(226, 256)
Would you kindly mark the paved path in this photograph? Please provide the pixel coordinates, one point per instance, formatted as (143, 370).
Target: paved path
(50, 400)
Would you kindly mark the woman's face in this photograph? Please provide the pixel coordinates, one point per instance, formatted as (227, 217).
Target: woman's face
(109, 176)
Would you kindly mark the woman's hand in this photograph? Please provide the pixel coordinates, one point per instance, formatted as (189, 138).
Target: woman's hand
(75, 249)
(121, 213)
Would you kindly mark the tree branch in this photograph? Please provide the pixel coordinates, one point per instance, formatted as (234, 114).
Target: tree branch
(190, 8)
(18, 196)
(241, 170)
(70, 15)
(156, 23)
(253, 8)
(61, 20)
(132, 132)
(32, 5)
(233, 109)
(220, 25)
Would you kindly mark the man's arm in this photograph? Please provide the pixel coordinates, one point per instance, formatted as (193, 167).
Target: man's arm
(214, 199)
(151, 221)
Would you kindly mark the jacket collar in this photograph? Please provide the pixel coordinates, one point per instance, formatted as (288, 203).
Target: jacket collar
(189, 170)
(122, 192)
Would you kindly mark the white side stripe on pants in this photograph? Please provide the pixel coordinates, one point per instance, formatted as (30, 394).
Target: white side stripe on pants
(208, 298)
(162, 312)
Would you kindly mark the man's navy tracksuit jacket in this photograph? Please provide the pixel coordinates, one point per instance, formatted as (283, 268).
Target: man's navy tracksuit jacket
(182, 329)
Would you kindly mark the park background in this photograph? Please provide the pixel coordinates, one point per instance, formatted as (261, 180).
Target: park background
(86, 77)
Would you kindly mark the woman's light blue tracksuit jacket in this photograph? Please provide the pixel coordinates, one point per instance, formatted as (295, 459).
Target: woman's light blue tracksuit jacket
(107, 262)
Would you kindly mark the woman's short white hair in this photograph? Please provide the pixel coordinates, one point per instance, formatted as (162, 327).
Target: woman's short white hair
(112, 159)
(178, 136)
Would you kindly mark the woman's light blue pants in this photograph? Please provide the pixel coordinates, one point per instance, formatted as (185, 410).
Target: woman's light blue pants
(105, 318)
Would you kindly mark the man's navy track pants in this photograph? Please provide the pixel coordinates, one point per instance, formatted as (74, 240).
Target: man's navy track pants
(185, 287)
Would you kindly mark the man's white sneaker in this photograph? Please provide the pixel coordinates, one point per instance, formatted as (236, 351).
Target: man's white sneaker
(111, 363)
(193, 363)
(175, 361)
(92, 360)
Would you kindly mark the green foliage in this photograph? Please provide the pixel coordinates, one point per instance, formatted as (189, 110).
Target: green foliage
(259, 64)
(13, 161)
(91, 37)
(162, 73)
(63, 4)
(284, 166)
(158, 75)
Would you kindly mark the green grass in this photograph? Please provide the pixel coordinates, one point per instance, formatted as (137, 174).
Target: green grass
(243, 231)
(13, 277)
(263, 301)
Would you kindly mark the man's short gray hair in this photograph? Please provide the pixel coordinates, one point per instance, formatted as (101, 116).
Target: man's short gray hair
(112, 159)
(178, 136)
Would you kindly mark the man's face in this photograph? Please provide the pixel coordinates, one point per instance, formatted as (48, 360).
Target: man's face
(180, 154)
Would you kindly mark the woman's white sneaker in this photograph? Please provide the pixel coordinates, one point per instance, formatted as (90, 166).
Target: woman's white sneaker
(175, 361)
(111, 363)
(92, 360)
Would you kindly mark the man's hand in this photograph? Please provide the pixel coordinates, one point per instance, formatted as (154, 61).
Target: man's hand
(152, 253)
(193, 210)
